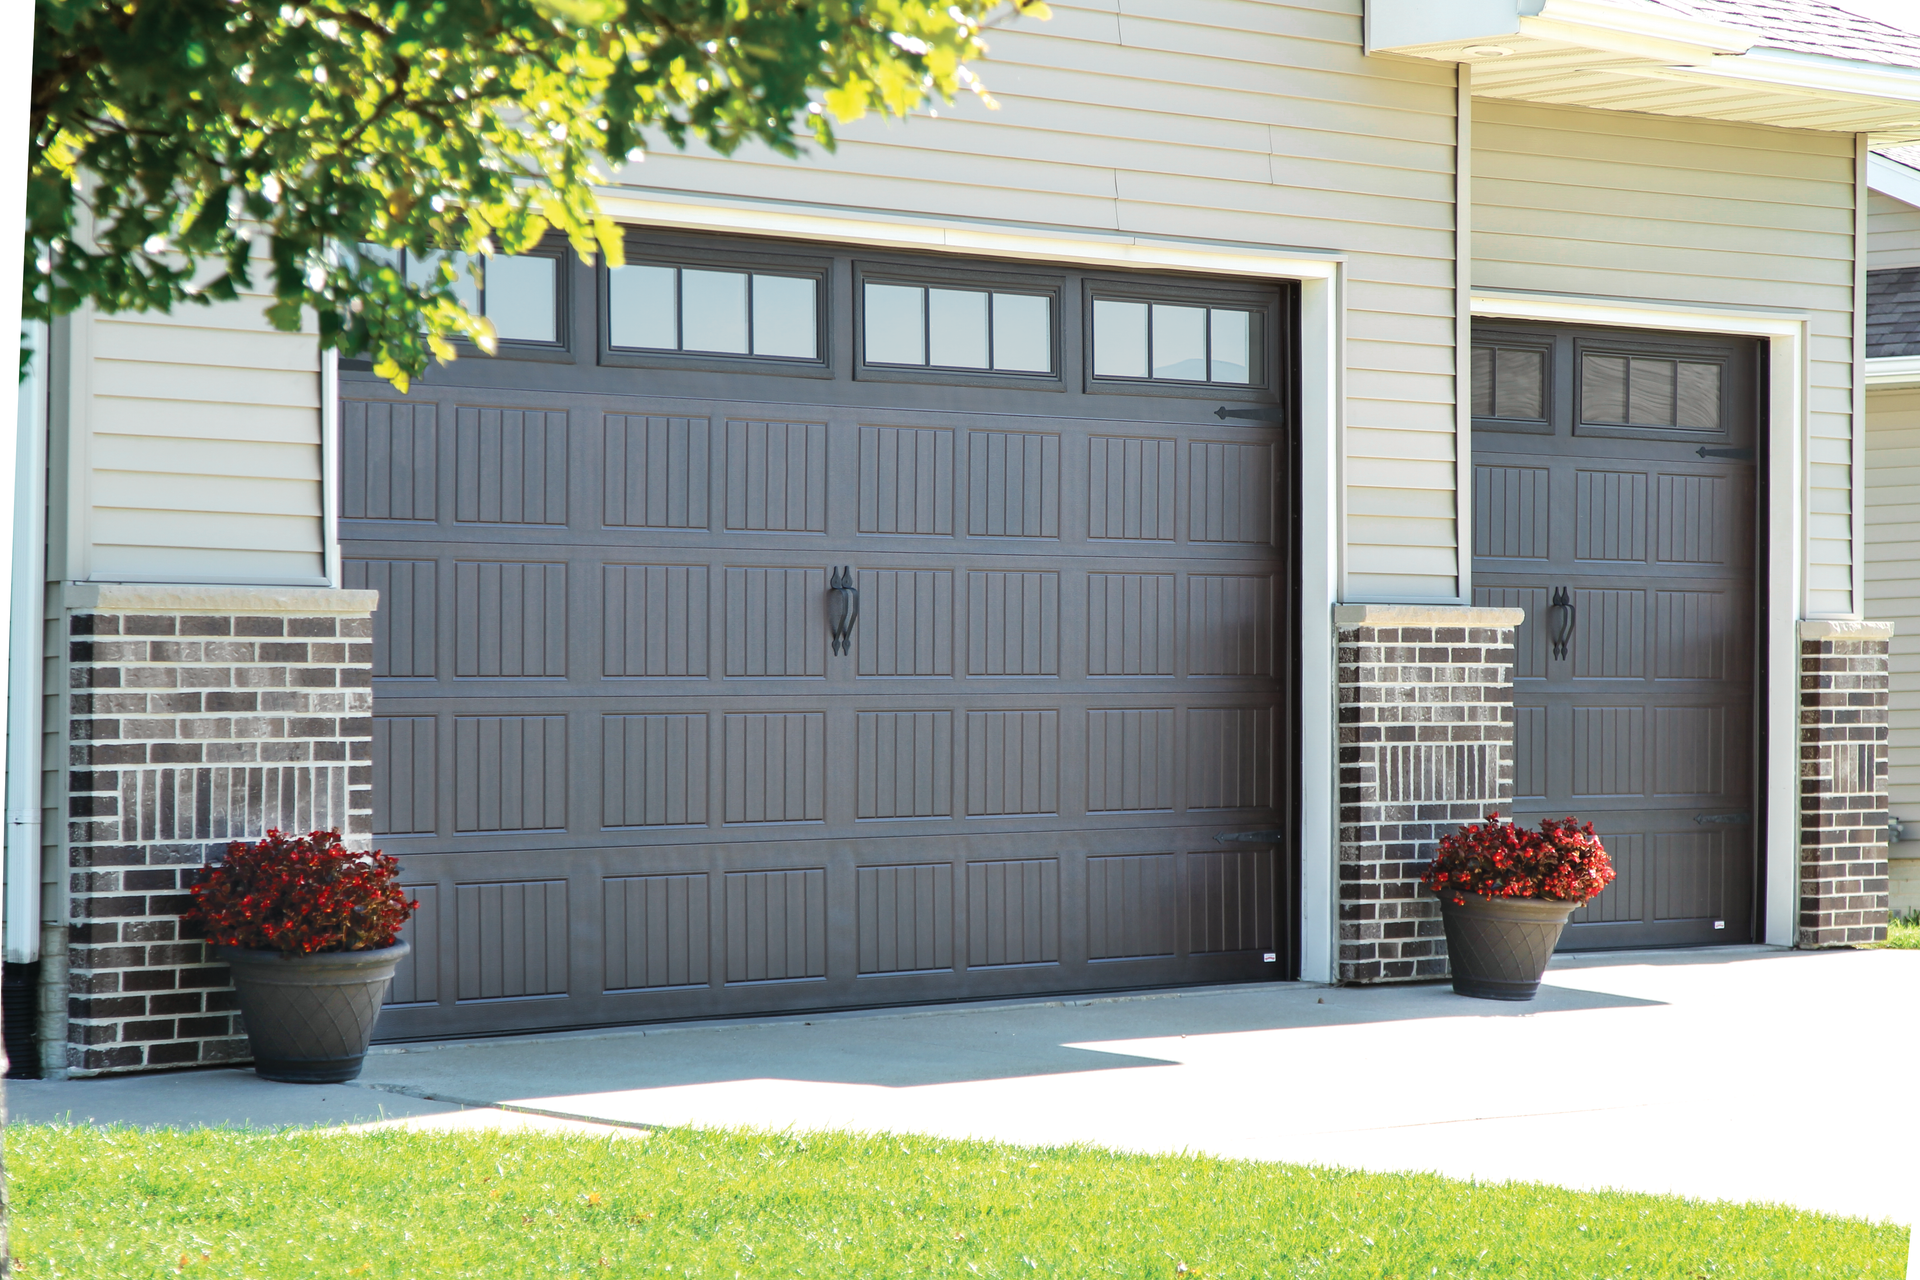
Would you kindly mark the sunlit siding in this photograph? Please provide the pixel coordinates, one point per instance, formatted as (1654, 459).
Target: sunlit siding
(1569, 200)
(1230, 120)
(1893, 233)
(1893, 576)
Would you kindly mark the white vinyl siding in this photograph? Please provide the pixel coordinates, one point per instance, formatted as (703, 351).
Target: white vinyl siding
(1893, 579)
(1230, 120)
(1620, 205)
(1893, 233)
(203, 457)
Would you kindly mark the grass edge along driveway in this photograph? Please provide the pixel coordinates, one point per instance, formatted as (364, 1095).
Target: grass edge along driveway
(685, 1203)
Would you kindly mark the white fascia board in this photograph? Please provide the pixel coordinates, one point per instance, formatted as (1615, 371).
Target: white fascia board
(1640, 33)
(1893, 371)
(1891, 178)
(1816, 76)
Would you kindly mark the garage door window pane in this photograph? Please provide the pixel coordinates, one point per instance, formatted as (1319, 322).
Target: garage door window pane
(1120, 339)
(1180, 343)
(957, 328)
(896, 324)
(1022, 333)
(522, 297)
(785, 317)
(1603, 389)
(1230, 346)
(713, 311)
(643, 308)
(1699, 407)
(422, 269)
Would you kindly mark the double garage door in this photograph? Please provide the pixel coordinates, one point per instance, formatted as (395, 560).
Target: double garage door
(637, 765)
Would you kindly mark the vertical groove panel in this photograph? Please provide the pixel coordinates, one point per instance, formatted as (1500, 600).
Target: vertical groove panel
(406, 622)
(776, 622)
(653, 770)
(1609, 751)
(906, 480)
(416, 979)
(511, 939)
(1013, 624)
(655, 472)
(1691, 636)
(1229, 624)
(1229, 492)
(1130, 487)
(656, 932)
(1230, 757)
(510, 467)
(1689, 751)
(1625, 898)
(905, 918)
(1230, 901)
(777, 476)
(1610, 515)
(1013, 762)
(1530, 639)
(776, 925)
(905, 764)
(776, 767)
(1610, 635)
(1690, 516)
(389, 461)
(1130, 624)
(1013, 913)
(1133, 906)
(510, 773)
(1130, 756)
(1690, 874)
(406, 773)
(906, 622)
(1510, 506)
(510, 619)
(1013, 488)
(1530, 753)
(654, 621)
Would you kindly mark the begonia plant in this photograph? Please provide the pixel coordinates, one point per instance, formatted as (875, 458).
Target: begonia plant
(1563, 861)
(300, 895)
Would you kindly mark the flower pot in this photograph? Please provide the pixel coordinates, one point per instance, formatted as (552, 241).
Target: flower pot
(1498, 947)
(309, 1018)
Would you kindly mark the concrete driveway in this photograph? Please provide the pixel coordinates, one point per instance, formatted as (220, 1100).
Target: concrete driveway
(1742, 1074)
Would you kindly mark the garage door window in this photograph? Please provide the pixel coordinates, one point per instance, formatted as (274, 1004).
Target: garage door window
(1169, 342)
(742, 313)
(520, 293)
(918, 326)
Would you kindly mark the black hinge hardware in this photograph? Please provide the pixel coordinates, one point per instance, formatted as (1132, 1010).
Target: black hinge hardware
(1255, 837)
(1723, 819)
(1738, 455)
(1251, 415)
(843, 608)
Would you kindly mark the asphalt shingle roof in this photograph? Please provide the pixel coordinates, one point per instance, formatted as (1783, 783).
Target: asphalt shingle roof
(1809, 26)
(1893, 312)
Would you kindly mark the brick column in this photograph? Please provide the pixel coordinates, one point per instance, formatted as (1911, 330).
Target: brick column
(1843, 783)
(198, 716)
(1426, 743)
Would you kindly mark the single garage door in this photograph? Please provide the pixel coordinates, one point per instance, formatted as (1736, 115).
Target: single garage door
(635, 763)
(1614, 485)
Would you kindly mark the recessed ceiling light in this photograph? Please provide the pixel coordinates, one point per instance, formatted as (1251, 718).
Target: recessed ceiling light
(1487, 51)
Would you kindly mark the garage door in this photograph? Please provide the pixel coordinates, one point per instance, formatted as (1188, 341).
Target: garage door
(1614, 483)
(771, 628)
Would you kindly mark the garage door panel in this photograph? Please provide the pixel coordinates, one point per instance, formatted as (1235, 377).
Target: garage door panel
(655, 621)
(510, 466)
(656, 471)
(906, 480)
(776, 476)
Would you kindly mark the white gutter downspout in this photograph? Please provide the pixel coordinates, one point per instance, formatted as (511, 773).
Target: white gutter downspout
(27, 612)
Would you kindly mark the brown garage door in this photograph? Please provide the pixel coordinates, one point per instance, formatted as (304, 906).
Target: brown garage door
(1614, 482)
(628, 771)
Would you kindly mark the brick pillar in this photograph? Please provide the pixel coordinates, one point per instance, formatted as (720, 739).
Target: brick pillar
(1843, 783)
(1426, 743)
(198, 716)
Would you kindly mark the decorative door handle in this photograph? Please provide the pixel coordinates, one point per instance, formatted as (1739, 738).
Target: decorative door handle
(843, 608)
(1561, 618)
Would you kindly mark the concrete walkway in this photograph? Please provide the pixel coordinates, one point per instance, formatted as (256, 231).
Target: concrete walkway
(1741, 1074)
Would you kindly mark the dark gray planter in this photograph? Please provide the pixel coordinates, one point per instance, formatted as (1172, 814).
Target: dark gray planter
(1498, 947)
(309, 1018)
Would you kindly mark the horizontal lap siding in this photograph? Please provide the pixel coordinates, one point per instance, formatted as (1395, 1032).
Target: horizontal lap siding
(205, 447)
(1893, 579)
(1622, 205)
(1231, 120)
(1893, 233)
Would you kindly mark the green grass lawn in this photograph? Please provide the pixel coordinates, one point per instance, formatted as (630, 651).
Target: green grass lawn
(1903, 932)
(687, 1203)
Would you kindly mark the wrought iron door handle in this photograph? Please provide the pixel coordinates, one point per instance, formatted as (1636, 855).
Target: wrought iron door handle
(843, 608)
(1561, 617)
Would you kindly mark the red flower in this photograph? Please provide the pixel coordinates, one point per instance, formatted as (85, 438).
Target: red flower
(1563, 861)
(301, 894)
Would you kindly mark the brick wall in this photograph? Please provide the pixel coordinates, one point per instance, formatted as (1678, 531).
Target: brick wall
(190, 726)
(1426, 743)
(1843, 783)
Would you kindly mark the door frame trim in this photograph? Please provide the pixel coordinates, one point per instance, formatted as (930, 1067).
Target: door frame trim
(1321, 277)
(1784, 511)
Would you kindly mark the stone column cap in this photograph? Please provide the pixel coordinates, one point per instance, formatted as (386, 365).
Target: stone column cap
(1347, 616)
(1844, 629)
(158, 597)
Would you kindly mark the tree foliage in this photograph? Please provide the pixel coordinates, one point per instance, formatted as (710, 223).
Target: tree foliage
(180, 146)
